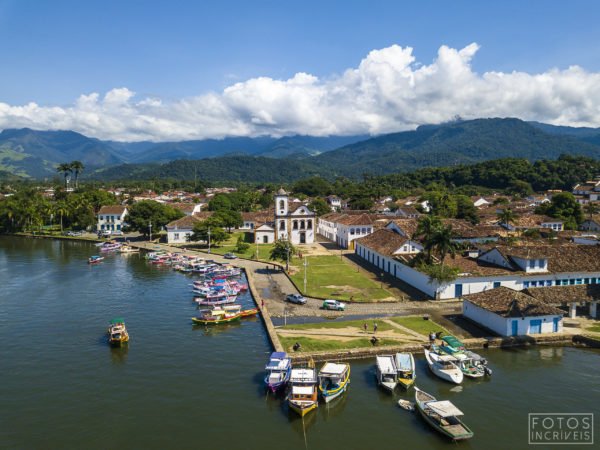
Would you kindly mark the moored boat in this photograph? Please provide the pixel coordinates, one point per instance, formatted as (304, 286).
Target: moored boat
(451, 344)
(128, 249)
(303, 396)
(278, 371)
(249, 312)
(387, 376)
(95, 259)
(471, 364)
(110, 246)
(218, 315)
(117, 332)
(405, 367)
(444, 367)
(442, 415)
(333, 380)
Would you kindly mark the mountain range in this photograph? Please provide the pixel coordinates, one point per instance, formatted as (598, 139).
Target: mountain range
(35, 154)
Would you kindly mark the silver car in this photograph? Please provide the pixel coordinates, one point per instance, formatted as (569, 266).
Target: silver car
(296, 298)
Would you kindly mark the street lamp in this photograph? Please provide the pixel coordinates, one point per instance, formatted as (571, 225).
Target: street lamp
(305, 264)
(150, 229)
(208, 239)
(287, 261)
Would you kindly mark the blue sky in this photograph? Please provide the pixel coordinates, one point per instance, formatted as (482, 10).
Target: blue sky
(55, 51)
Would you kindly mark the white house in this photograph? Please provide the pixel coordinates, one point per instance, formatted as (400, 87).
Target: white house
(480, 202)
(111, 218)
(591, 224)
(334, 202)
(252, 220)
(180, 230)
(264, 234)
(189, 209)
(507, 312)
(534, 221)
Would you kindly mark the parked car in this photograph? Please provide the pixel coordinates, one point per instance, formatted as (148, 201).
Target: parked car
(117, 233)
(104, 233)
(75, 233)
(229, 256)
(334, 305)
(296, 298)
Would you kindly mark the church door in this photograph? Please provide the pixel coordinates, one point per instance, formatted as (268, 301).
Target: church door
(302, 237)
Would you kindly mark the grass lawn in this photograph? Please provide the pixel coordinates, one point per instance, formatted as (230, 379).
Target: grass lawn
(416, 323)
(315, 345)
(228, 246)
(331, 277)
(358, 324)
(594, 328)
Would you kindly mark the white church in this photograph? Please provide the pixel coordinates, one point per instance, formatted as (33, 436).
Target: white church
(292, 221)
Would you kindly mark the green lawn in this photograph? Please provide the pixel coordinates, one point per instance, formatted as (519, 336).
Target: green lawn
(594, 328)
(416, 323)
(332, 277)
(358, 324)
(228, 246)
(315, 345)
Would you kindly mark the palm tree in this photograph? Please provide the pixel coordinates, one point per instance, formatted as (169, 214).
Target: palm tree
(506, 217)
(443, 242)
(62, 210)
(426, 229)
(77, 167)
(590, 209)
(66, 169)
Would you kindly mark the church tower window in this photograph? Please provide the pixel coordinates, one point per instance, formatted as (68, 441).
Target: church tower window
(282, 225)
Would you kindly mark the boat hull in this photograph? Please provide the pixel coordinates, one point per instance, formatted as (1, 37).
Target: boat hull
(440, 429)
(302, 409)
(198, 321)
(406, 382)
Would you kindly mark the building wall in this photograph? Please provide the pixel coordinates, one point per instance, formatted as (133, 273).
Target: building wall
(259, 237)
(178, 236)
(111, 222)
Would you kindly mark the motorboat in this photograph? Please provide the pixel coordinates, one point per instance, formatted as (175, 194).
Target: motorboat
(387, 375)
(117, 332)
(334, 379)
(405, 368)
(444, 366)
(303, 396)
(278, 371)
(95, 259)
(218, 315)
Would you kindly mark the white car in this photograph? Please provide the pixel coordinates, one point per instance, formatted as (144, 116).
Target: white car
(334, 305)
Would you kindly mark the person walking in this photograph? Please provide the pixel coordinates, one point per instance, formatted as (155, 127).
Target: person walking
(365, 327)
(375, 327)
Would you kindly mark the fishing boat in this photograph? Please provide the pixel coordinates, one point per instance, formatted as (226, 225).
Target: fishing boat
(278, 371)
(95, 259)
(405, 368)
(451, 345)
(216, 301)
(442, 415)
(117, 333)
(333, 380)
(128, 249)
(218, 315)
(249, 312)
(110, 246)
(303, 397)
(471, 364)
(444, 367)
(387, 375)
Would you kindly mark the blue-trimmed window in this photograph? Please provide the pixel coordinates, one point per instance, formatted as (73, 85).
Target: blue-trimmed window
(525, 284)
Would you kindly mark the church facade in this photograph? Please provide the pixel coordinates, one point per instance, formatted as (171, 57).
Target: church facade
(293, 222)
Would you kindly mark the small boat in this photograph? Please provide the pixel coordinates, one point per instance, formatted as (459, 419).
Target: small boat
(279, 369)
(95, 259)
(451, 345)
(109, 246)
(444, 367)
(405, 404)
(249, 312)
(333, 380)
(218, 315)
(303, 397)
(471, 364)
(442, 415)
(117, 333)
(387, 375)
(218, 301)
(405, 367)
(128, 249)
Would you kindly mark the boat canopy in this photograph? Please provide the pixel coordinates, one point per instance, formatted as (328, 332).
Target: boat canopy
(404, 361)
(444, 408)
(333, 369)
(117, 321)
(302, 390)
(303, 376)
(278, 361)
(386, 364)
(452, 341)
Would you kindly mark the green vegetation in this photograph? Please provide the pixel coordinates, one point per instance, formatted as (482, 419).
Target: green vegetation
(316, 345)
(594, 328)
(141, 214)
(358, 324)
(230, 245)
(419, 325)
(563, 206)
(332, 277)
(283, 250)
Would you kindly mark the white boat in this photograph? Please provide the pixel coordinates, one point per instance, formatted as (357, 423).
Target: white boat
(303, 396)
(387, 375)
(128, 249)
(334, 379)
(444, 367)
(405, 367)
(469, 366)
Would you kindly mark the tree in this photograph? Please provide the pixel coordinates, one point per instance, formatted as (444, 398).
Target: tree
(228, 219)
(65, 169)
(506, 217)
(590, 209)
(427, 227)
(441, 274)
(208, 230)
(443, 242)
(465, 209)
(143, 213)
(563, 206)
(77, 167)
(61, 209)
(319, 206)
(282, 250)
(240, 245)
(520, 188)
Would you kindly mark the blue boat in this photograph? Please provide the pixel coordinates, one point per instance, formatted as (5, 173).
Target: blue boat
(279, 369)
(95, 259)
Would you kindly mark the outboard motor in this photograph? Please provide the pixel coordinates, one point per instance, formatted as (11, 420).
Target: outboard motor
(487, 371)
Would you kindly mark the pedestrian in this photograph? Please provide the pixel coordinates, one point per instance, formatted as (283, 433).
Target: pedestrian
(262, 303)
(375, 327)
(365, 327)
(432, 337)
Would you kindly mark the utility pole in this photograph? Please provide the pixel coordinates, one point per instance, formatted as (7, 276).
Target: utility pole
(150, 229)
(287, 261)
(305, 264)
(208, 239)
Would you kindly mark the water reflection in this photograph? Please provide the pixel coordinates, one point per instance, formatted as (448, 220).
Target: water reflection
(118, 355)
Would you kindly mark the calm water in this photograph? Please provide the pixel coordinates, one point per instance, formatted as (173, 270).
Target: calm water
(177, 386)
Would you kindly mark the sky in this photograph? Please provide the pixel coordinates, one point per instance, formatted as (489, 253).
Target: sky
(143, 70)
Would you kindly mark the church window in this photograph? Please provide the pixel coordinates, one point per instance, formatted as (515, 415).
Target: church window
(295, 224)
(302, 225)
(281, 205)
(282, 225)
(309, 224)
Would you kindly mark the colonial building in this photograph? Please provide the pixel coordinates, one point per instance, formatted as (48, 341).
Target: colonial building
(180, 230)
(507, 312)
(111, 218)
(294, 223)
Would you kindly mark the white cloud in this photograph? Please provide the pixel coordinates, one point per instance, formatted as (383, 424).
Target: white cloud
(388, 91)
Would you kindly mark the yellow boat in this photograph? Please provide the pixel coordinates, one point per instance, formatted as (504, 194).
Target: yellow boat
(117, 333)
(333, 380)
(405, 366)
(303, 396)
